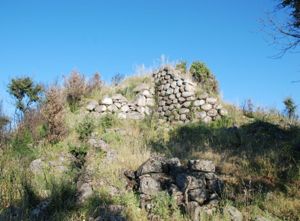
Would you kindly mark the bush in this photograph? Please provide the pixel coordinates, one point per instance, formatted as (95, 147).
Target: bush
(117, 79)
(53, 113)
(75, 87)
(95, 83)
(107, 121)
(202, 74)
(85, 128)
(181, 66)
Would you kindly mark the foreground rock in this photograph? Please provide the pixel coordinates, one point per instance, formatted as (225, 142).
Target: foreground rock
(195, 186)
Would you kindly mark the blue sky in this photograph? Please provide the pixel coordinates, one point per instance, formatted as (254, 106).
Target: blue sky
(48, 39)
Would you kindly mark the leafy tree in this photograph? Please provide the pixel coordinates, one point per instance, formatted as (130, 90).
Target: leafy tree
(290, 107)
(25, 91)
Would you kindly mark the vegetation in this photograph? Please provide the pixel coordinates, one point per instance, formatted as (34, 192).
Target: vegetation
(25, 91)
(290, 107)
(75, 89)
(202, 74)
(256, 152)
(53, 113)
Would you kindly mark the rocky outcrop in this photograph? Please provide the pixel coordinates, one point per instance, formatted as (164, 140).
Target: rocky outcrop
(195, 186)
(178, 101)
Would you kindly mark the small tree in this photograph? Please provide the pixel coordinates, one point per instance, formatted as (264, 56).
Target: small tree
(53, 113)
(117, 79)
(75, 87)
(26, 92)
(290, 107)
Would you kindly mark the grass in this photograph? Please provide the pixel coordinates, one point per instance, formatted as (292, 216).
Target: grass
(257, 157)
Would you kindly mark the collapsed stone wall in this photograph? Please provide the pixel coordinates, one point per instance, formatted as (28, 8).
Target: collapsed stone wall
(195, 186)
(173, 96)
(177, 99)
(118, 104)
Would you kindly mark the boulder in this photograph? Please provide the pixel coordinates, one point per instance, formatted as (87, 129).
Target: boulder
(206, 107)
(233, 213)
(198, 103)
(101, 108)
(202, 165)
(92, 105)
(141, 100)
(152, 165)
(148, 185)
(211, 100)
(187, 94)
(107, 101)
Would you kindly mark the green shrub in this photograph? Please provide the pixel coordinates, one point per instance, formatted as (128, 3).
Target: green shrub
(85, 128)
(182, 67)
(203, 75)
(108, 121)
(165, 206)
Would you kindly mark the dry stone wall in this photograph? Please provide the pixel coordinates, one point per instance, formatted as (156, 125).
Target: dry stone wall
(177, 99)
(173, 96)
(118, 104)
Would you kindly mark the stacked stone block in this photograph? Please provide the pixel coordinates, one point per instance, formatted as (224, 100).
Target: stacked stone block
(177, 100)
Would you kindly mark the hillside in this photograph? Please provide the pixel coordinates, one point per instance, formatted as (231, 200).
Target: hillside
(162, 146)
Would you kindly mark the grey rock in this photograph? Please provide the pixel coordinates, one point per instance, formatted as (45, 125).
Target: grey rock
(92, 105)
(233, 213)
(200, 115)
(141, 87)
(150, 102)
(141, 100)
(212, 113)
(207, 119)
(125, 108)
(223, 112)
(183, 117)
(211, 100)
(147, 94)
(149, 185)
(187, 104)
(152, 165)
(119, 97)
(202, 165)
(187, 94)
(206, 107)
(198, 195)
(100, 108)
(122, 115)
(198, 103)
(193, 210)
(107, 101)
(184, 110)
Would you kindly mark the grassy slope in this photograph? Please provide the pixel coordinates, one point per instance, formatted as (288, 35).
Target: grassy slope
(257, 157)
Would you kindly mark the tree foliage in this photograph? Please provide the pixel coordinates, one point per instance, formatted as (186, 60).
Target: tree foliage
(25, 91)
(290, 107)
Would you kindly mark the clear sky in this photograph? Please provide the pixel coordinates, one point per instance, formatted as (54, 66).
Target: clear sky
(48, 39)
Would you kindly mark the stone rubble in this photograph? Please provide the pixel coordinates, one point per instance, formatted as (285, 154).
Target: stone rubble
(195, 186)
(173, 96)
